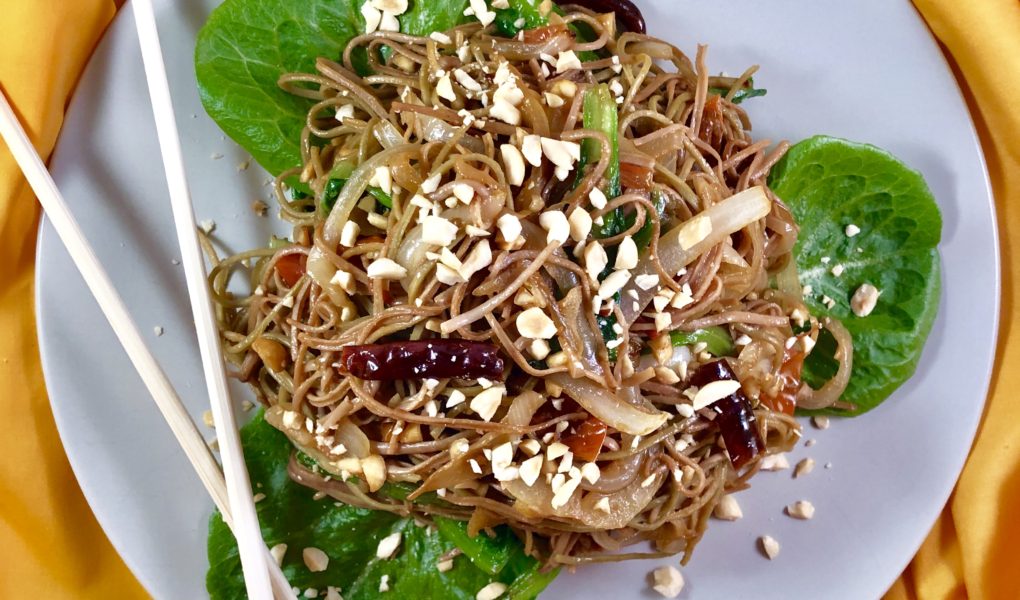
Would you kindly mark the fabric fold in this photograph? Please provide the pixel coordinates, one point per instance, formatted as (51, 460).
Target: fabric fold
(52, 545)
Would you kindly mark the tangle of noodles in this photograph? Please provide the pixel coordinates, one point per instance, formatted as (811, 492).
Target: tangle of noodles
(662, 466)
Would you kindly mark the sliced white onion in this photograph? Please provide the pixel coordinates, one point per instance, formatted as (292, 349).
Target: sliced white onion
(355, 188)
(534, 239)
(412, 249)
(353, 438)
(566, 280)
(681, 354)
(387, 134)
(318, 265)
(487, 211)
(321, 270)
(438, 130)
(411, 256)
(523, 408)
(731, 256)
(612, 409)
(357, 444)
(624, 504)
(726, 217)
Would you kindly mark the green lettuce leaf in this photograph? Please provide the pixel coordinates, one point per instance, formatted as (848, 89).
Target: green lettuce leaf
(246, 45)
(508, 18)
(829, 184)
(349, 536)
(425, 16)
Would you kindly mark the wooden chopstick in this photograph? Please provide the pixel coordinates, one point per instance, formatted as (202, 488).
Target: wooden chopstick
(113, 307)
(246, 525)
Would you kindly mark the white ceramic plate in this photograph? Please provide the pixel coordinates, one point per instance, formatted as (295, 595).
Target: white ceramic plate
(868, 71)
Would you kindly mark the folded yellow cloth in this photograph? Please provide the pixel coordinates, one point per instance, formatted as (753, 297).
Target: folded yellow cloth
(53, 547)
(971, 551)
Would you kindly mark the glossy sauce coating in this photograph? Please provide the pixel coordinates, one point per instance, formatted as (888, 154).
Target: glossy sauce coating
(436, 359)
(737, 423)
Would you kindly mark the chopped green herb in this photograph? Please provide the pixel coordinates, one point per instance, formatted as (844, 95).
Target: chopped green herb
(748, 91)
(716, 339)
(608, 334)
(599, 113)
(330, 193)
(380, 196)
(644, 235)
(342, 169)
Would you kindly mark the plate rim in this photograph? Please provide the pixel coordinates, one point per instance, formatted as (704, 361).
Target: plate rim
(989, 193)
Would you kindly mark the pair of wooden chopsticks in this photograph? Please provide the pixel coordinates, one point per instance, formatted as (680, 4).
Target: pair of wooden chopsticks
(230, 488)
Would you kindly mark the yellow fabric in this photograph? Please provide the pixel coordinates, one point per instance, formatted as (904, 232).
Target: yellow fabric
(51, 544)
(971, 551)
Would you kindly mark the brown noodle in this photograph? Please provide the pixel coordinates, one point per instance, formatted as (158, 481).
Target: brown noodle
(697, 147)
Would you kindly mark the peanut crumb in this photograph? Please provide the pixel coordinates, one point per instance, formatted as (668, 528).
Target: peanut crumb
(769, 546)
(803, 467)
(801, 509)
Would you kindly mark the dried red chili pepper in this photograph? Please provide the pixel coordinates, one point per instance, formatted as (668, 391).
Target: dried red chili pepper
(437, 359)
(736, 421)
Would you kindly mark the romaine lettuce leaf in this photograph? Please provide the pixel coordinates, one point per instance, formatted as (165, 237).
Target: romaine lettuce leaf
(524, 13)
(246, 45)
(829, 184)
(349, 536)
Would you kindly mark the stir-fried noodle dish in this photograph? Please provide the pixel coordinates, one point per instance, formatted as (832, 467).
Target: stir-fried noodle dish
(529, 289)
